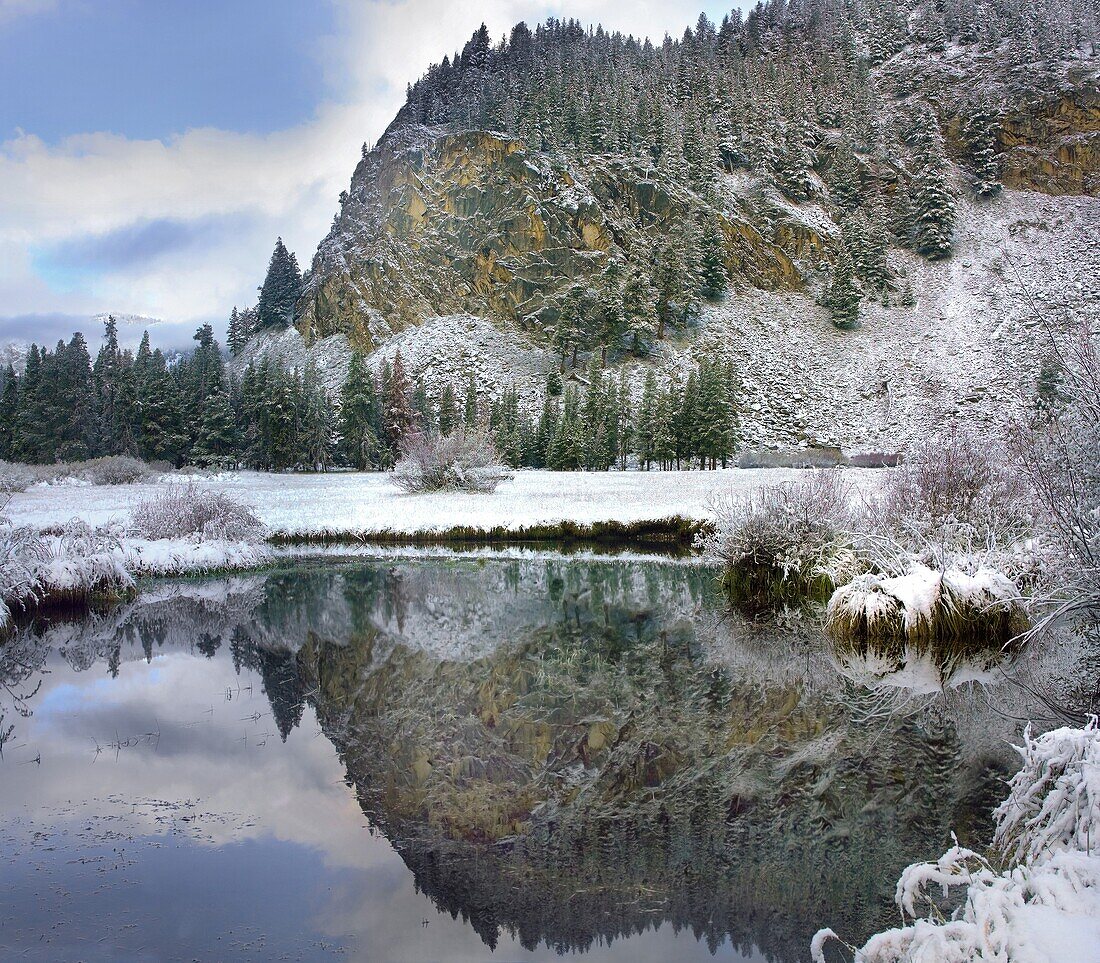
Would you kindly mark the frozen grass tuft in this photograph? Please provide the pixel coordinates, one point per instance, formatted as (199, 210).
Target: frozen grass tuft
(462, 461)
(181, 511)
(947, 610)
(1042, 904)
(783, 541)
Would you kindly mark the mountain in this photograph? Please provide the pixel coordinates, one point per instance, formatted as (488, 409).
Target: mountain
(870, 208)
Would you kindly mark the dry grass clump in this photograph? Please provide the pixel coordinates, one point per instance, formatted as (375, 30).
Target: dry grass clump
(461, 461)
(946, 611)
(182, 511)
(784, 542)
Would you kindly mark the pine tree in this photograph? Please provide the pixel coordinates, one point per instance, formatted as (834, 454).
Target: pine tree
(30, 442)
(398, 414)
(281, 289)
(448, 411)
(842, 296)
(359, 416)
(981, 137)
(715, 276)
(317, 424)
(9, 413)
(470, 410)
(216, 442)
(157, 399)
(645, 429)
(236, 335)
(639, 310)
(933, 207)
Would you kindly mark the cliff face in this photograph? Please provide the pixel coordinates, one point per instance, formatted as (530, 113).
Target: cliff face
(441, 223)
(1053, 145)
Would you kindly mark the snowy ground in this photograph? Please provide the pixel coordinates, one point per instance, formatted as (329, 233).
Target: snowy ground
(371, 504)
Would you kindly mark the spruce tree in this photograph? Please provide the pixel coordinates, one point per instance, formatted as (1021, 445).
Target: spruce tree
(933, 207)
(842, 296)
(359, 415)
(281, 289)
(981, 138)
(715, 276)
(448, 411)
(470, 409)
(9, 413)
(398, 415)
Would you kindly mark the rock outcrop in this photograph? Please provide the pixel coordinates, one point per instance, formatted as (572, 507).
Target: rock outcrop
(448, 223)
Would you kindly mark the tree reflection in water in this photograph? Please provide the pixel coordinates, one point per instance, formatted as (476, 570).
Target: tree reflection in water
(575, 750)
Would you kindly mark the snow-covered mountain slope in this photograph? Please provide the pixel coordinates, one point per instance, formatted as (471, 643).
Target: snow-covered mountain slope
(576, 194)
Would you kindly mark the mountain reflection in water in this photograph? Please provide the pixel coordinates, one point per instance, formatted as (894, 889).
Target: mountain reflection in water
(568, 755)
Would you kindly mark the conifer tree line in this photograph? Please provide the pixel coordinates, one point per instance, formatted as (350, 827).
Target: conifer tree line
(66, 407)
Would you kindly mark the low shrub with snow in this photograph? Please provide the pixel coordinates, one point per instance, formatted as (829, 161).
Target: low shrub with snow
(1036, 897)
(115, 470)
(785, 539)
(15, 477)
(80, 563)
(21, 552)
(182, 511)
(108, 470)
(954, 492)
(462, 461)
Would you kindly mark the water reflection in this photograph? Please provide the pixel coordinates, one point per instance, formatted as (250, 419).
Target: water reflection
(568, 755)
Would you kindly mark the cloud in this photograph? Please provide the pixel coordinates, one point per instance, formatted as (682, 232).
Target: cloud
(182, 228)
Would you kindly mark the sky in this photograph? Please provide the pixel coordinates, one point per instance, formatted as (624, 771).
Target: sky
(152, 150)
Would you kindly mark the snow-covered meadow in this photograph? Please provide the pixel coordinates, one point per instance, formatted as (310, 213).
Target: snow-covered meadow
(307, 505)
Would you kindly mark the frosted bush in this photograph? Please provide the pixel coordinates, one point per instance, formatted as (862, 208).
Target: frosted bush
(182, 511)
(15, 477)
(114, 470)
(80, 561)
(955, 491)
(461, 461)
(1057, 455)
(1044, 905)
(795, 530)
(21, 553)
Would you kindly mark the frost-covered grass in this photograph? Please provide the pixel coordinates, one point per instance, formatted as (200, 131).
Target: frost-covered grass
(1035, 898)
(784, 541)
(182, 511)
(926, 608)
(179, 530)
(350, 505)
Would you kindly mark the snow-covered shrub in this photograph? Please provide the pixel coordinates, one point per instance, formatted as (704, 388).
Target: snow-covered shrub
(783, 541)
(114, 470)
(81, 563)
(15, 477)
(928, 608)
(954, 491)
(182, 511)
(21, 553)
(1043, 905)
(460, 461)
(1056, 453)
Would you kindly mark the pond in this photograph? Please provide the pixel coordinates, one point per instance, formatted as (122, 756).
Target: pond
(467, 758)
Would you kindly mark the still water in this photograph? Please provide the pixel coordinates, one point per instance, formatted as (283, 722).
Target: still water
(455, 758)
